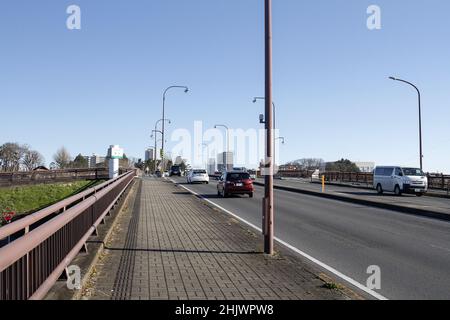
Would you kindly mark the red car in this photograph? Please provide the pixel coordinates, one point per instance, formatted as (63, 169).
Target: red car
(235, 183)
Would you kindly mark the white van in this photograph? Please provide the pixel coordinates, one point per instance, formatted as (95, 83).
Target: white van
(400, 180)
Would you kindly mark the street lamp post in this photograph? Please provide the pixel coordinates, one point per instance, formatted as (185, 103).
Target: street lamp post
(420, 118)
(268, 203)
(228, 141)
(156, 144)
(186, 90)
(156, 130)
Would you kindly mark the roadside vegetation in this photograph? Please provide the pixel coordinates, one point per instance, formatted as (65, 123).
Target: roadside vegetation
(27, 199)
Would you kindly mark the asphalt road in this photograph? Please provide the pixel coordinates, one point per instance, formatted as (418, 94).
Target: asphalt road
(412, 252)
(442, 204)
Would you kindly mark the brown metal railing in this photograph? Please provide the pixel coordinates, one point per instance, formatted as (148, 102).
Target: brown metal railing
(33, 262)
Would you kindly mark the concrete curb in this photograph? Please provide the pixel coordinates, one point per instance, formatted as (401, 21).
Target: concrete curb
(389, 206)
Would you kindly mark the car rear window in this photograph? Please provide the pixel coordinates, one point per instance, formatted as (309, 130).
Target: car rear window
(237, 176)
(199, 172)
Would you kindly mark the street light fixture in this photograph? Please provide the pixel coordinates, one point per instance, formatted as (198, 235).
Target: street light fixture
(261, 117)
(420, 118)
(281, 138)
(186, 90)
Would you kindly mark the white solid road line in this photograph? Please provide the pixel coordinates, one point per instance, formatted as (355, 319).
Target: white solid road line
(300, 252)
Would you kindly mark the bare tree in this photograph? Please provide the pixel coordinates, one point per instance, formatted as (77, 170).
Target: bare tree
(32, 159)
(62, 158)
(10, 156)
(308, 163)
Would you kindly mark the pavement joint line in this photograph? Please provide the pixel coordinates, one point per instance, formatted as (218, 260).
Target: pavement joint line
(291, 247)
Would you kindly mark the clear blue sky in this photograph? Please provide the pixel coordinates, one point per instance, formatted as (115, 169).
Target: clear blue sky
(102, 85)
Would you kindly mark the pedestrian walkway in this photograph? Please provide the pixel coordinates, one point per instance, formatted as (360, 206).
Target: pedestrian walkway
(171, 245)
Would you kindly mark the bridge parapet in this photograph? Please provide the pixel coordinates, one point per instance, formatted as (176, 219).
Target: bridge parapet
(49, 239)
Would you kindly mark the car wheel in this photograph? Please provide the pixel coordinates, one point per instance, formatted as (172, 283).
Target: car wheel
(419, 194)
(250, 195)
(379, 189)
(397, 190)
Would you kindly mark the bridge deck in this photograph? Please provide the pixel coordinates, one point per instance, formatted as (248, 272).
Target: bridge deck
(170, 245)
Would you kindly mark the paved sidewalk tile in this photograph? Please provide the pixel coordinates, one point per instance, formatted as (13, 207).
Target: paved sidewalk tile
(171, 245)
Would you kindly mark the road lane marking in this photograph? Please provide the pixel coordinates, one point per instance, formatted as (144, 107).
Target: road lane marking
(298, 251)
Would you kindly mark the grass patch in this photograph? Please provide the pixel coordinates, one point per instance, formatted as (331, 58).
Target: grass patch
(27, 199)
(332, 286)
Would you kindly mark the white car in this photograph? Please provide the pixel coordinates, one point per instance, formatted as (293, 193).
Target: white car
(400, 180)
(198, 176)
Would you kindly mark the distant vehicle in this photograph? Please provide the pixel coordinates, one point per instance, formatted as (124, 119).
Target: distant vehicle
(198, 176)
(400, 180)
(175, 171)
(252, 174)
(316, 175)
(166, 174)
(158, 174)
(235, 182)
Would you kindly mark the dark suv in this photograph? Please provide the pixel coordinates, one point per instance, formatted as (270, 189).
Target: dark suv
(235, 182)
(175, 171)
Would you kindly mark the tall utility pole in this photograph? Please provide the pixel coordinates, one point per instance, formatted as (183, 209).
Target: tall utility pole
(268, 204)
(420, 118)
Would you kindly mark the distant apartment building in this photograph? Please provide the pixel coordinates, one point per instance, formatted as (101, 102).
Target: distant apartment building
(211, 166)
(95, 161)
(225, 161)
(149, 154)
(365, 166)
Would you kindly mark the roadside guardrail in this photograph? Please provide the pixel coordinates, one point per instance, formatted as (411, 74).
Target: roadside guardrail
(41, 248)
